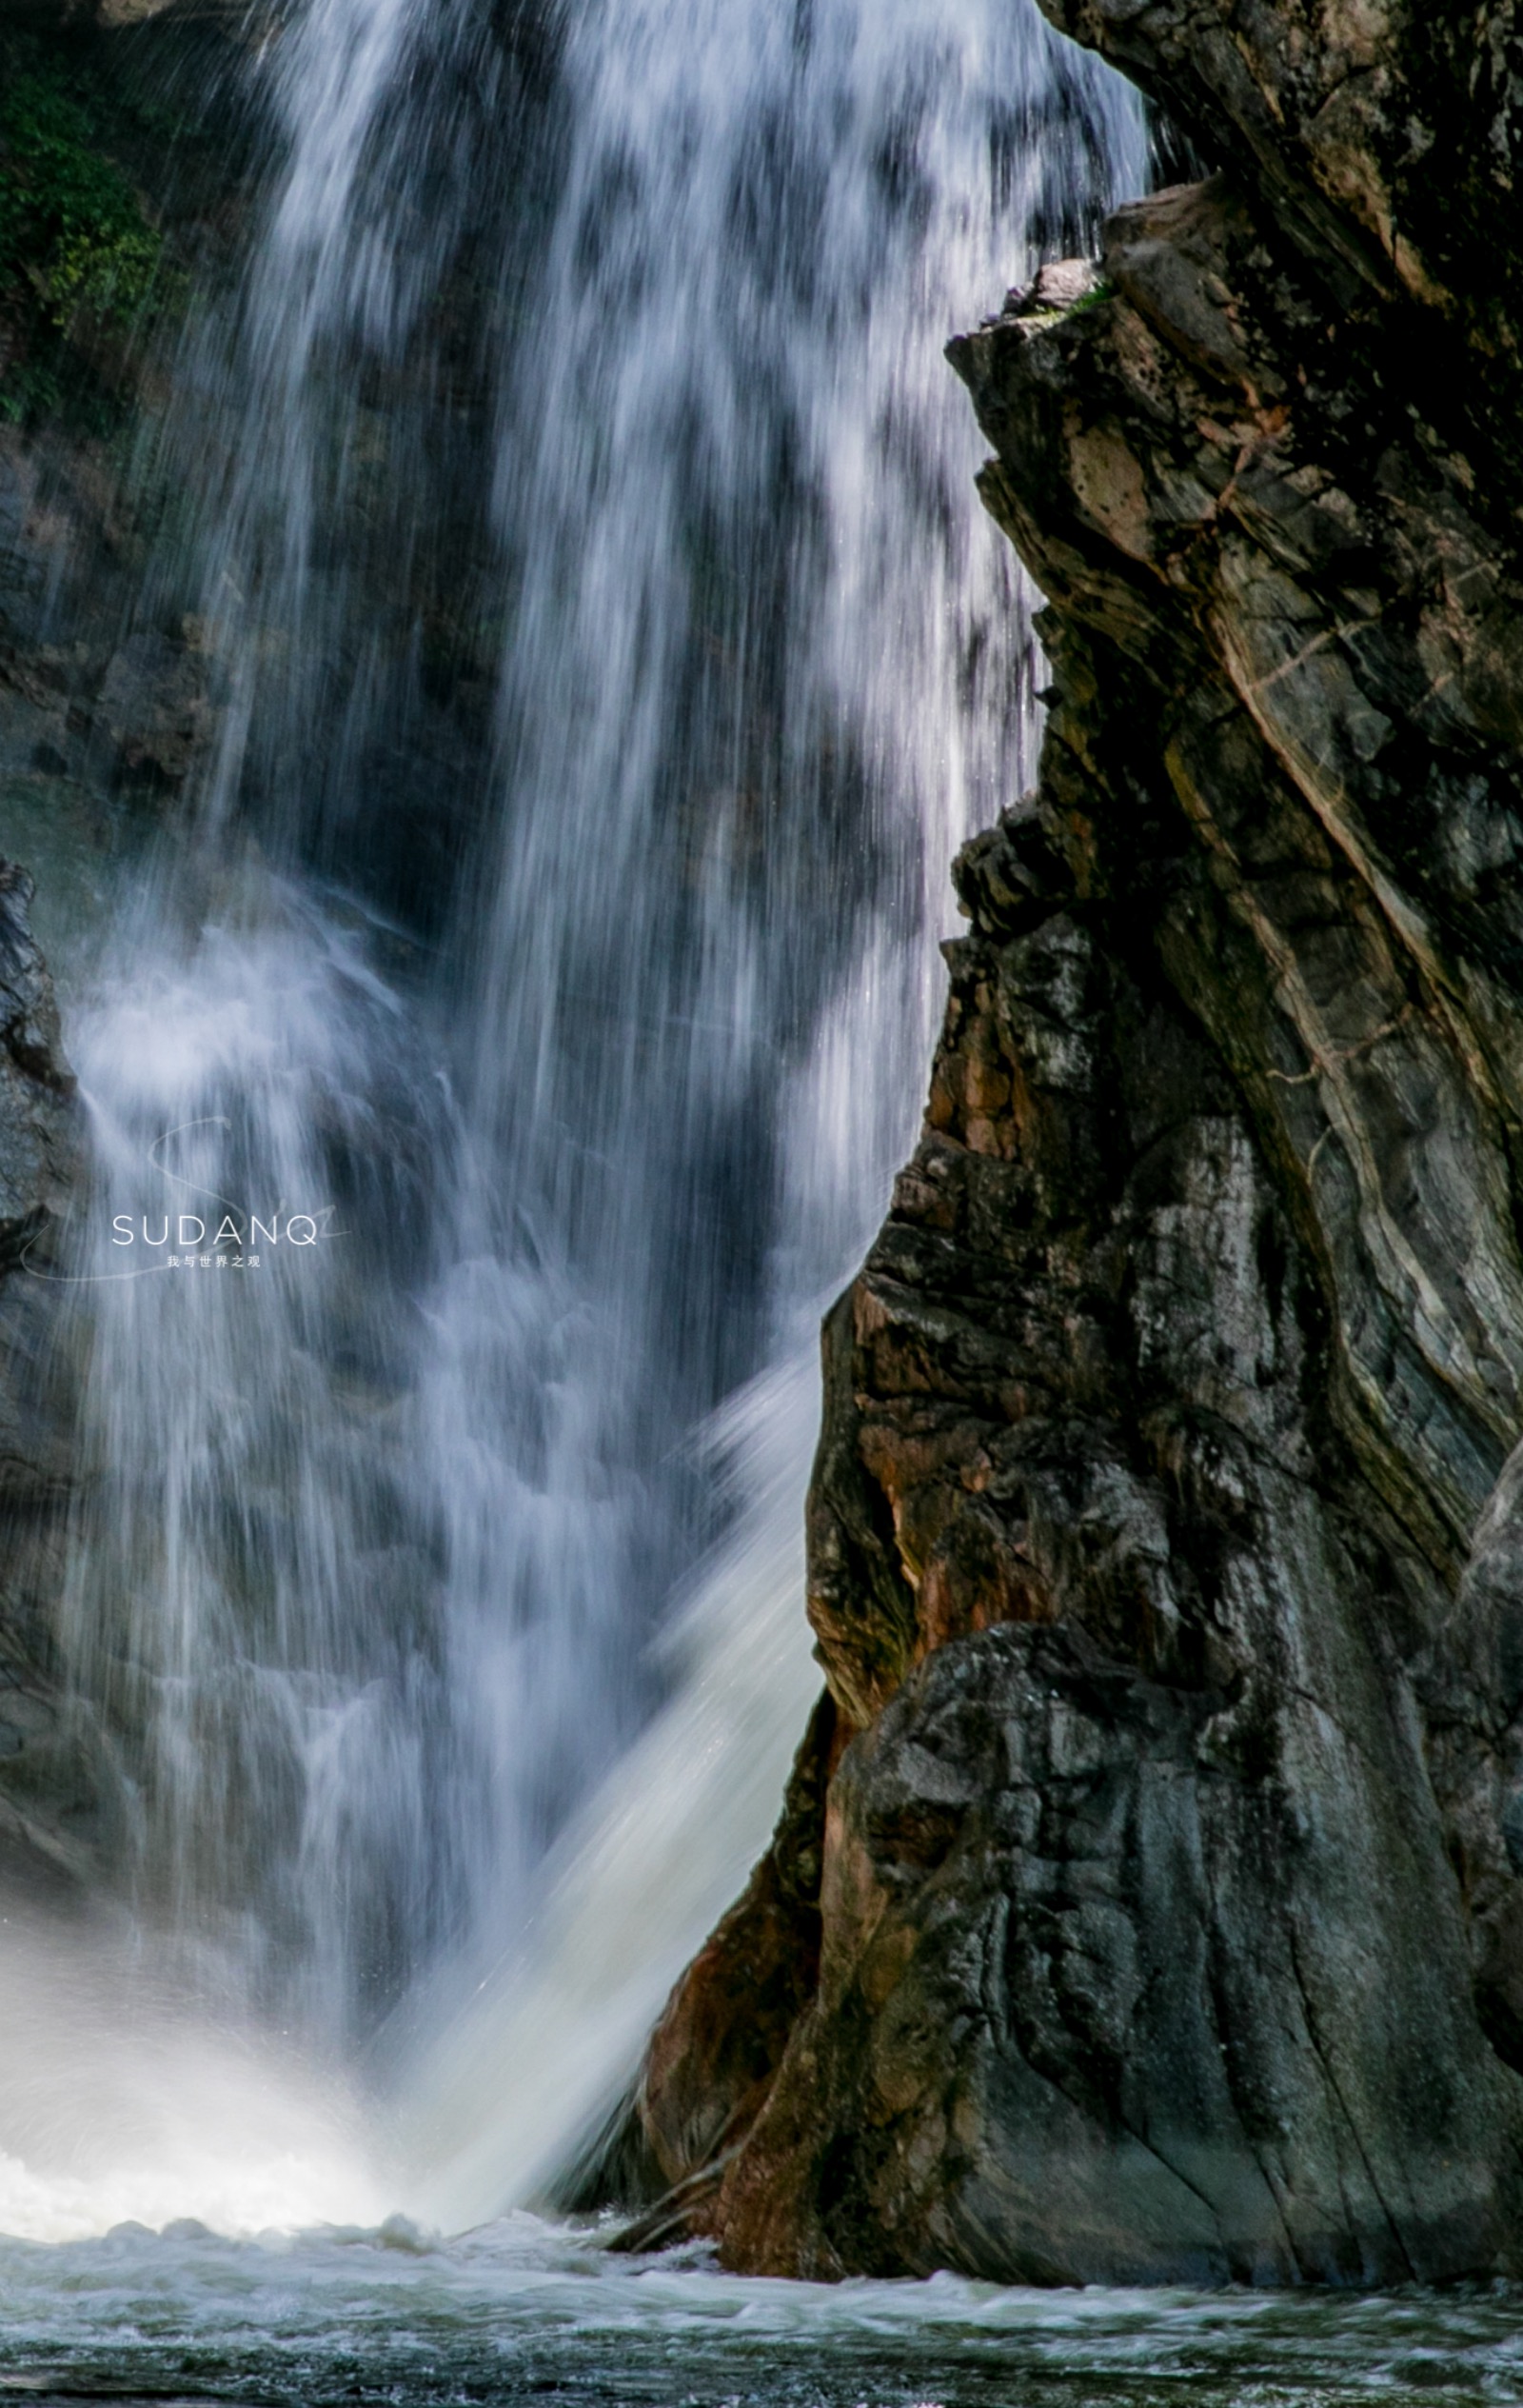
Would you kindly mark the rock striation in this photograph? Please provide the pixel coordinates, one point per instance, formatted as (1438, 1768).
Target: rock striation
(1158, 1915)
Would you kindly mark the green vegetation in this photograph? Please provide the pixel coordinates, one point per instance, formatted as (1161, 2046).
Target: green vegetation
(79, 259)
(1098, 291)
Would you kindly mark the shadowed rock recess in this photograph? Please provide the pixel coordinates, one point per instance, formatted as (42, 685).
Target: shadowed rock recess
(1151, 1889)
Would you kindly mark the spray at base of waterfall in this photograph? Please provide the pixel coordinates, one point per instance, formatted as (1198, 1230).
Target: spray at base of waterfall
(119, 2104)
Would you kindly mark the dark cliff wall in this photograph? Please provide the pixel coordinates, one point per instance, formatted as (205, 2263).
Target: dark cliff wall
(104, 710)
(47, 1806)
(1163, 1915)
(99, 723)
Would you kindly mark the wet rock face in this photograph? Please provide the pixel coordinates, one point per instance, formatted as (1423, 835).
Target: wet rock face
(38, 1134)
(1166, 1535)
(48, 1804)
(1089, 2011)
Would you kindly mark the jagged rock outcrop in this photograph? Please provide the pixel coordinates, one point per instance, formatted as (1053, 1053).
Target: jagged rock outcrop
(1166, 1538)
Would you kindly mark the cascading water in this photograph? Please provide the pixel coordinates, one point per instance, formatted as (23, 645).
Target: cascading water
(563, 1025)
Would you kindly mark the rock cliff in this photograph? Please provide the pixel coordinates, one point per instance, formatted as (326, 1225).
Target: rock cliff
(100, 721)
(45, 1803)
(1149, 1902)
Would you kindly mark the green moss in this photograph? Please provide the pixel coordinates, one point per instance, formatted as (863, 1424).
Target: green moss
(1098, 291)
(79, 257)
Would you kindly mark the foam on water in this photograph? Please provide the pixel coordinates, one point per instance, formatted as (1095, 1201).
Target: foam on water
(523, 2312)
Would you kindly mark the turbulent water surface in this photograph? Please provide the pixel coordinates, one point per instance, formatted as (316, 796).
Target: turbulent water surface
(518, 2311)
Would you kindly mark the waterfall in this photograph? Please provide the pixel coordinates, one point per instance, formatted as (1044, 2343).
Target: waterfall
(608, 656)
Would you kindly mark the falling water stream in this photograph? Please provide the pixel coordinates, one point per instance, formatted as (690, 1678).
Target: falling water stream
(484, 1104)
